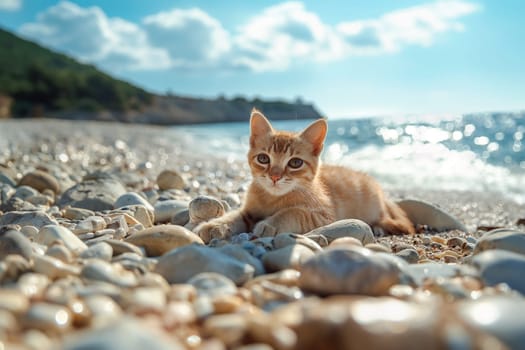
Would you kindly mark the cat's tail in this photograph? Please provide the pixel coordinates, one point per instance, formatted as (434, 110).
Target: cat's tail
(395, 221)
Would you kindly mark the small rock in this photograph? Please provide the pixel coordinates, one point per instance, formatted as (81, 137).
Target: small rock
(504, 239)
(181, 218)
(166, 210)
(212, 284)
(99, 270)
(143, 300)
(423, 213)
(198, 258)
(14, 301)
(33, 285)
(40, 180)
(353, 270)
(53, 268)
(345, 241)
(24, 192)
(283, 239)
(160, 239)
(410, 255)
(288, 257)
(345, 228)
(97, 194)
(77, 213)
(242, 255)
(90, 224)
(230, 329)
(47, 317)
(132, 198)
(101, 250)
(14, 242)
(378, 247)
(126, 334)
(120, 247)
(204, 208)
(51, 233)
(170, 179)
(432, 270)
(33, 218)
(500, 316)
(501, 266)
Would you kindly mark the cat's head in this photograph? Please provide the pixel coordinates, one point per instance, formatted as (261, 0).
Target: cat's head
(282, 161)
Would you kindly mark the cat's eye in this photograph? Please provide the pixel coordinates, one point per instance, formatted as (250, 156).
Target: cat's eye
(263, 158)
(295, 163)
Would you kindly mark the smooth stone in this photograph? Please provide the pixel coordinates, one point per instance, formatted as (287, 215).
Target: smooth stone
(24, 192)
(99, 270)
(353, 270)
(6, 179)
(345, 228)
(137, 214)
(12, 266)
(504, 239)
(103, 308)
(289, 278)
(212, 284)
(132, 198)
(127, 334)
(101, 250)
(33, 285)
(501, 266)
(143, 300)
(53, 268)
(181, 264)
(283, 239)
(237, 252)
(204, 208)
(121, 247)
(33, 218)
(158, 240)
(432, 271)
(166, 210)
(73, 213)
(498, 315)
(51, 233)
(423, 213)
(378, 247)
(410, 255)
(230, 329)
(181, 218)
(90, 224)
(40, 180)
(170, 179)
(14, 242)
(288, 257)
(97, 194)
(29, 231)
(14, 301)
(48, 317)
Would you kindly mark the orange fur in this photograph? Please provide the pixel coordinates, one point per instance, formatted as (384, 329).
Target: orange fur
(292, 192)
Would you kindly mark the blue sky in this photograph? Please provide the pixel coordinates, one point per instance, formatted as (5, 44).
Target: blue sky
(349, 58)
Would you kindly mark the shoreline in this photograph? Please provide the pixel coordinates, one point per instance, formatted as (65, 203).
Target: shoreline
(143, 141)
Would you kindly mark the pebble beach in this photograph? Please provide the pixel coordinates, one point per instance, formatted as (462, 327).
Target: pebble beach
(97, 252)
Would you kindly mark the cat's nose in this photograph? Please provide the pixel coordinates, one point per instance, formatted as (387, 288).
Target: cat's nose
(275, 177)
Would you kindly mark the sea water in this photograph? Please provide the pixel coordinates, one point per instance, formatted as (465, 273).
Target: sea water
(477, 152)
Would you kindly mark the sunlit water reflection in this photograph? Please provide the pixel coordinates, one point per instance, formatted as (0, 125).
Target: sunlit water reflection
(481, 152)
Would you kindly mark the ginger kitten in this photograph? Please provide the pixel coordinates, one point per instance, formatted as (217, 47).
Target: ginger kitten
(292, 192)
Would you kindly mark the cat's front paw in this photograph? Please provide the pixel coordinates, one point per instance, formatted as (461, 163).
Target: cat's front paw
(264, 229)
(210, 230)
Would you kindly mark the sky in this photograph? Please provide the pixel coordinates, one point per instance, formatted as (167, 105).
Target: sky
(349, 58)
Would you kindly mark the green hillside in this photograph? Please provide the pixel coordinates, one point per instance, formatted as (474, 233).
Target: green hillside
(39, 80)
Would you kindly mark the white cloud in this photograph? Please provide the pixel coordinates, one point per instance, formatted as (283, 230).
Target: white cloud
(192, 37)
(280, 34)
(10, 5)
(274, 39)
(88, 34)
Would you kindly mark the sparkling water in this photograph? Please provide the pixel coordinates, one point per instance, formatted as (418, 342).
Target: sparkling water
(478, 152)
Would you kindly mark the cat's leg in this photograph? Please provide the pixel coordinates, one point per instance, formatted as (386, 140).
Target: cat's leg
(294, 220)
(227, 225)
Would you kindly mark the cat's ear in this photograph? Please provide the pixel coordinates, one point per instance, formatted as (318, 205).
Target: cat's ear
(315, 133)
(259, 125)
